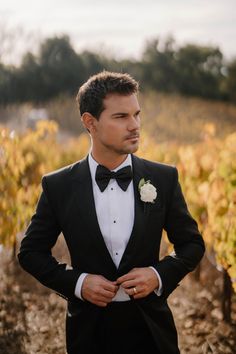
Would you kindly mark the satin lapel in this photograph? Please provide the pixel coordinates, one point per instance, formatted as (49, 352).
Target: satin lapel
(138, 231)
(86, 209)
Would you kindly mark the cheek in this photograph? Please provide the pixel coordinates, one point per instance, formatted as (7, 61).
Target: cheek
(112, 135)
(113, 130)
(107, 133)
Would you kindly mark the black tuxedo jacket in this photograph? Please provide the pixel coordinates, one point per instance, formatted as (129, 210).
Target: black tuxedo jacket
(67, 205)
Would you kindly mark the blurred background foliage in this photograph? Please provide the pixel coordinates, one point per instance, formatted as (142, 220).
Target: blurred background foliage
(57, 69)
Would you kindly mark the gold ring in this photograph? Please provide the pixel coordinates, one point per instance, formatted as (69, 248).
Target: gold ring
(135, 290)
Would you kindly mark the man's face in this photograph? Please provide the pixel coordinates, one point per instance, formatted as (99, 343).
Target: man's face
(118, 127)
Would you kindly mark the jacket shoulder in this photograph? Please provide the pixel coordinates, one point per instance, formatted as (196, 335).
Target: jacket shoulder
(61, 177)
(163, 167)
(158, 167)
(63, 171)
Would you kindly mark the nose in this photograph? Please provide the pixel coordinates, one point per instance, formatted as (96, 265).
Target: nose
(134, 123)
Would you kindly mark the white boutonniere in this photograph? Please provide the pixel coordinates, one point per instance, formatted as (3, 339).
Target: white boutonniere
(148, 192)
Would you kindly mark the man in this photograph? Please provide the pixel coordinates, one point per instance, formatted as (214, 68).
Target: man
(112, 208)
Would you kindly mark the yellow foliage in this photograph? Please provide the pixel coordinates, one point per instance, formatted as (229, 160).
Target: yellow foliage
(207, 174)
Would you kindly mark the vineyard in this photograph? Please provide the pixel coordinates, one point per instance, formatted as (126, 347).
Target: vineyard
(207, 171)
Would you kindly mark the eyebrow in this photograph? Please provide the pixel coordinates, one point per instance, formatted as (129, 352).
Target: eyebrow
(124, 113)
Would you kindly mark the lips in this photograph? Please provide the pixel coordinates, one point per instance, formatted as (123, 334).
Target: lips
(131, 137)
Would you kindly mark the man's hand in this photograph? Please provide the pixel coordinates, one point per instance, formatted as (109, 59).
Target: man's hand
(98, 290)
(139, 282)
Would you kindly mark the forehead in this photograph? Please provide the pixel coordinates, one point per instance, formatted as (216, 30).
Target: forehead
(116, 102)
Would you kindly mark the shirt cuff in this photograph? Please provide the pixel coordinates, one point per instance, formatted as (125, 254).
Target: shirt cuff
(79, 285)
(159, 290)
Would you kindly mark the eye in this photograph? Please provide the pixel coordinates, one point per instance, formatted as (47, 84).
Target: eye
(121, 116)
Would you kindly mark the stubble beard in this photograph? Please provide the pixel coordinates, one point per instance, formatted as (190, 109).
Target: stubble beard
(123, 151)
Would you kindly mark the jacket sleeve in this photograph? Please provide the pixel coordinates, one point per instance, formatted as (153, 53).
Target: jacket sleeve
(35, 255)
(182, 231)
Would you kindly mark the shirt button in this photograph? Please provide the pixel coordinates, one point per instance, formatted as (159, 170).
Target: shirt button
(114, 221)
(116, 254)
(112, 189)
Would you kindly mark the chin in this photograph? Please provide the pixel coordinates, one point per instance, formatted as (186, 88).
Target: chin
(131, 149)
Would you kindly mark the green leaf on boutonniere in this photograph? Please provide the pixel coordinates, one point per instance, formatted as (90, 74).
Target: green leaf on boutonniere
(141, 183)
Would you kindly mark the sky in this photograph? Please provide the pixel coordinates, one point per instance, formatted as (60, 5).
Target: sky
(120, 27)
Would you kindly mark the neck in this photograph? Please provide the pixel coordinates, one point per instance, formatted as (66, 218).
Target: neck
(110, 161)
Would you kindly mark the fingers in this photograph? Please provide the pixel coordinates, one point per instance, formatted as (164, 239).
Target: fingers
(133, 291)
(98, 290)
(99, 300)
(127, 277)
(139, 282)
(130, 279)
(111, 286)
(129, 283)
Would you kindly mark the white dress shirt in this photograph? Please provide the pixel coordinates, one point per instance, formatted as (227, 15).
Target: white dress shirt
(115, 214)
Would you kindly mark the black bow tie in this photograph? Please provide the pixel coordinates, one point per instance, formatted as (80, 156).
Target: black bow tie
(122, 176)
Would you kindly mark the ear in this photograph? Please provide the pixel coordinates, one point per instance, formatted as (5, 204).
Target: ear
(89, 121)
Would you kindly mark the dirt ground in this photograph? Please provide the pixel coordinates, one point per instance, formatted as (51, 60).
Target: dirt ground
(32, 317)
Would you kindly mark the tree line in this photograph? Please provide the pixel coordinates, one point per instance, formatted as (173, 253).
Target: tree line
(190, 69)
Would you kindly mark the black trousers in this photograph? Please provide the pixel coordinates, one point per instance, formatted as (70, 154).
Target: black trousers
(122, 330)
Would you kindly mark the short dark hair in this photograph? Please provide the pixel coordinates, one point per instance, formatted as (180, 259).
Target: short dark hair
(92, 93)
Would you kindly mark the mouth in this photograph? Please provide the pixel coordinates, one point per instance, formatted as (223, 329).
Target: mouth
(133, 137)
